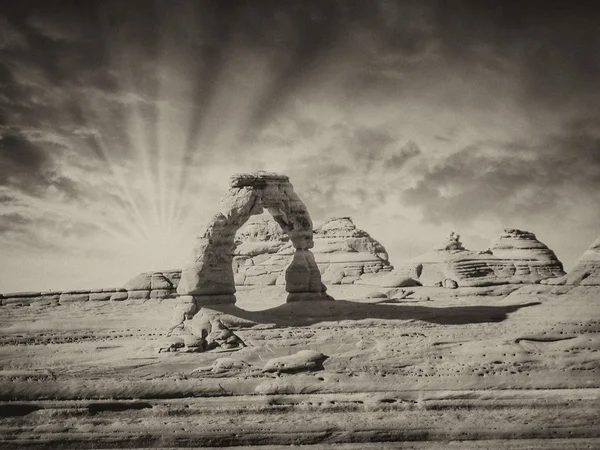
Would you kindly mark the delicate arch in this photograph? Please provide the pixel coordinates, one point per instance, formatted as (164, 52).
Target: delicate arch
(208, 278)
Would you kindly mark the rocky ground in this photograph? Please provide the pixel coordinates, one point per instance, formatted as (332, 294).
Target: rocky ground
(502, 367)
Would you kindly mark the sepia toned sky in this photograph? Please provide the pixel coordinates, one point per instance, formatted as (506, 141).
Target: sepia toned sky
(121, 122)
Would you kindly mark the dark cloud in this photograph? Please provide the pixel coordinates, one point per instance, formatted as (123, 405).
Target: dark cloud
(367, 145)
(21, 162)
(513, 181)
(10, 222)
(405, 154)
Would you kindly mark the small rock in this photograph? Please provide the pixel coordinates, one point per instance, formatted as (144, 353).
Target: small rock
(450, 284)
(228, 364)
(171, 344)
(304, 360)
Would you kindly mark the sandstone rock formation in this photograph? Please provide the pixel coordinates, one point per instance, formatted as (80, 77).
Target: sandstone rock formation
(55, 298)
(346, 254)
(533, 261)
(147, 285)
(586, 271)
(515, 257)
(343, 253)
(209, 277)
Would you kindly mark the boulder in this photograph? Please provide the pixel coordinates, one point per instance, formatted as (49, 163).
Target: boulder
(222, 365)
(143, 281)
(304, 360)
(450, 284)
(158, 284)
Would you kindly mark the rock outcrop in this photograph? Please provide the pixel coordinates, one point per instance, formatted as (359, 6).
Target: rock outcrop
(515, 257)
(55, 298)
(346, 254)
(343, 253)
(209, 277)
(147, 285)
(586, 271)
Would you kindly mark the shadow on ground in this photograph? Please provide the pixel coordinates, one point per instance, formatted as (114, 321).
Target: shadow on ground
(314, 312)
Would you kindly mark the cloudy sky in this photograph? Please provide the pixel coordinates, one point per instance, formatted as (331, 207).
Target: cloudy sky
(121, 122)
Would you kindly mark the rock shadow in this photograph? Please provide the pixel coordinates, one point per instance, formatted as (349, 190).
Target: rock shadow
(314, 312)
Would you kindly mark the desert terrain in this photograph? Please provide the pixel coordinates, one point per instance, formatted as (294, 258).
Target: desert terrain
(487, 367)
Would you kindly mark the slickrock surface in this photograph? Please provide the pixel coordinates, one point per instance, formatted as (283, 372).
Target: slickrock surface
(501, 366)
(515, 257)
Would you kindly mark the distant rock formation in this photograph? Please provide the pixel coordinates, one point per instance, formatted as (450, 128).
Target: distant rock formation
(515, 257)
(344, 253)
(586, 271)
(55, 298)
(147, 285)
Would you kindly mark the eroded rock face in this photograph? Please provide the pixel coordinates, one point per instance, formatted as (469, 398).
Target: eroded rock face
(587, 270)
(533, 260)
(343, 253)
(515, 257)
(210, 276)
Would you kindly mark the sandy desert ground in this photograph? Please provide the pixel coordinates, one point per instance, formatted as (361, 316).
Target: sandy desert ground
(500, 367)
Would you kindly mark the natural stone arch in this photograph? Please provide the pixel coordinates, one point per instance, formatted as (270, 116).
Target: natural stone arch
(208, 278)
